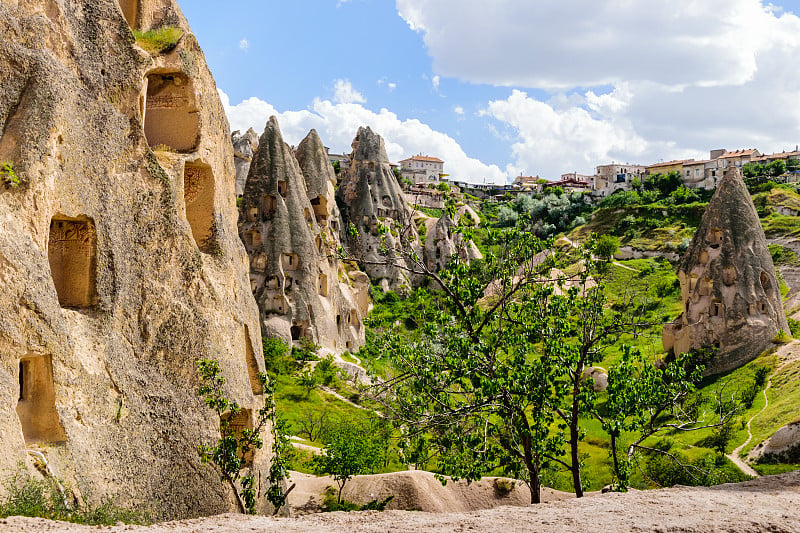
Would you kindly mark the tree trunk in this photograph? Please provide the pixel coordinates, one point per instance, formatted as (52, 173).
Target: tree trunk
(535, 486)
(574, 436)
(622, 483)
(339, 498)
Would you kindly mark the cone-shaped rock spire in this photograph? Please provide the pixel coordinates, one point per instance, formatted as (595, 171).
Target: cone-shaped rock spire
(729, 289)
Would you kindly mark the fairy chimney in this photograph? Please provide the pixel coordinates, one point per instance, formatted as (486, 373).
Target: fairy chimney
(729, 289)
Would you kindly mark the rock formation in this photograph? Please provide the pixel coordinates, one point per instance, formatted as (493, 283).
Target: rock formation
(441, 242)
(377, 224)
(244, 147)
(783, 446)
(289, 226)
(729, 290)
(120, 266)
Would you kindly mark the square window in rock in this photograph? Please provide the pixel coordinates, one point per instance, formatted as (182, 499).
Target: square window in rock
(36, 407)
(323, 285)
(270, 203)
(282, 188)
(198, 196)
(171, 116)
(130, 10)
(72, 250)
(290, 262)
(320, 206)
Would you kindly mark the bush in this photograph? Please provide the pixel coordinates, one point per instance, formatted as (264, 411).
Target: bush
(503, 486)
(158, 41)
(42, 499)
(8, 175)
(331, 504)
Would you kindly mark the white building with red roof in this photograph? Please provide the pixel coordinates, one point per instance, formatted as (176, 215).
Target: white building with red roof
(422, 169)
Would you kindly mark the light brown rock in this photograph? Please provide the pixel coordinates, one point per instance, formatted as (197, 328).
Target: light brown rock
(729, 289)
(119, 267)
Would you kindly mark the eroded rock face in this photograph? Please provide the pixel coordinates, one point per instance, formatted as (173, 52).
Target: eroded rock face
(728, 285)
(441, 242)
(372, 204)
(120, 266)
(244, 147)
(783, 446)
(289, 226)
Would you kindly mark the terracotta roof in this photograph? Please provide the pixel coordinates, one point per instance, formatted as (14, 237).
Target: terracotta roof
(671, 163)
(424, 158)
(738, 153)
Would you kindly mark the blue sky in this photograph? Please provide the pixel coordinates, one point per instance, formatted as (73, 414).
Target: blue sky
(507, 87)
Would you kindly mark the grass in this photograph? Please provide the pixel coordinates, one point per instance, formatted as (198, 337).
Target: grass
(784, 397)
(159, 40)
(40, 499)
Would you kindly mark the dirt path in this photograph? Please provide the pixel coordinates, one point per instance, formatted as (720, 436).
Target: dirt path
(734, 455)
(769, 503)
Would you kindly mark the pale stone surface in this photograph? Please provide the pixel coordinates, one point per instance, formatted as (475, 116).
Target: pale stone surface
(728, 285)
(599, 377)
(244, 147)
(782, 441)
(441, 242)
(119, 267)
(288, 224)
(372, 203)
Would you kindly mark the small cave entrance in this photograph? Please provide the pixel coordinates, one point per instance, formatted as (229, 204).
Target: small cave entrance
(354, 319)
(72, 251)
(323, 285)
(171, 116)
(236, 424)
(130, 10)
(252, 364)
(198, 196)
(299, 330)
(290, 262)
(320, 206)
(715, 238)
(260, 262)
(269, 204)
(766, 285)
(254, 238)
(36, 406)
(282, 188)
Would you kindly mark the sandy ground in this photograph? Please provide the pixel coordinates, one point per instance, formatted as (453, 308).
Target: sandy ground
(769, 503)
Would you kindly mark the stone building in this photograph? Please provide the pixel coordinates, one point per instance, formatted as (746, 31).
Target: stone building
(422, 169)
(119, 258)
(729, 289)
(290, 226)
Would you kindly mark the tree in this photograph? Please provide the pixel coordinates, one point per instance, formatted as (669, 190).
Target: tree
(348, 452)
(308, 380)
(776, 168)
(232, 448)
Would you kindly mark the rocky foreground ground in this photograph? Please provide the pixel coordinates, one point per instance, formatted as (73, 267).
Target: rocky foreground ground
(770, 503)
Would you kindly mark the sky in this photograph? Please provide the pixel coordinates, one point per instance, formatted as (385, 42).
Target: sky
(501, 88)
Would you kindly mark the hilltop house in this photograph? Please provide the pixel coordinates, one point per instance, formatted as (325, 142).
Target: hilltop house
(422, 169)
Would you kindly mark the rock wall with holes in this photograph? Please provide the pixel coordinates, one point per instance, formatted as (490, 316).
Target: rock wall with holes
(120, 262)
(244, 147)
(289, 223)
(729, 289)
(377, 224)
(442, 242)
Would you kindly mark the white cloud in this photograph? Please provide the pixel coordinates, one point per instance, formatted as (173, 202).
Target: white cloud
(560, 44)
(244, 44)
(391, 85)
(338, 122)
(435, 81)
(458, 110)
(344, 93)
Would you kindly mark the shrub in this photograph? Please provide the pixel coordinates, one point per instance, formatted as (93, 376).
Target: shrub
(158, 41)
(331, 504)
(8, 175)
(503, 486)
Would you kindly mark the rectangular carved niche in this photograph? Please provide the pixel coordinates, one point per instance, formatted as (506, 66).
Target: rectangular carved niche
(171, 116)
(198, 196)
(36, 407)
(252, 364)
(72, 251)
(130, 10)
(236, 424)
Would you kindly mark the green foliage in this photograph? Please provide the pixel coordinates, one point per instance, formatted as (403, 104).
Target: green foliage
(159, 40)
(307, 351)
(443, 187)
(330, 503)
(431, 211)
(607, 246)
(337, 167)
(348, 452)
(230, 451)
(549, 213)
(665, 467)
(783, 256)
(42, 499)
(9, 175)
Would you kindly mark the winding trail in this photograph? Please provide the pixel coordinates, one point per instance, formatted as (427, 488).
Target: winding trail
(734, 455)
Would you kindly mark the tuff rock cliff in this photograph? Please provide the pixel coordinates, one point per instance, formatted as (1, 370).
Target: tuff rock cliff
(289, 225)
(441, 242)
(244, 147)
(729, 290)
(120, 266)
(377, 224)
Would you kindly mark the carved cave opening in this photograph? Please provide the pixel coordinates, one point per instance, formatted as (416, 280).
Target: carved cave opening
(198, 197)
(130, 10)
(252, 364)
(320, 206)
(171, 116)
(270, 203)
(290, 262)
(36, 407)
(282, 188)
(765, 283)
(238, 423)
(323, 285)
(72, 251)
(715, 237)
(254, 238)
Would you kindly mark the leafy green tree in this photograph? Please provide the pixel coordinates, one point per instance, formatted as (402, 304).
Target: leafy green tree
(753, 170)
(776, 168)
(348, 452)
(230, 450)
(308, 380)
